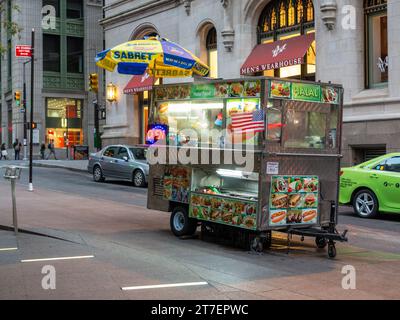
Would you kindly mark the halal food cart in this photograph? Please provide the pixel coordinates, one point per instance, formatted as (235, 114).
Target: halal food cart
(246, 157)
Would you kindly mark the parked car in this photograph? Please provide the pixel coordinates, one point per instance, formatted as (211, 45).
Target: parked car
(373, 186)
(120, 162)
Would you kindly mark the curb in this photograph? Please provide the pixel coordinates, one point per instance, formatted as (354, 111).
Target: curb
(58, 167)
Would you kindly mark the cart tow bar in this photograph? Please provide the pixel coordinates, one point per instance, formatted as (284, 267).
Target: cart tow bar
(323, 236)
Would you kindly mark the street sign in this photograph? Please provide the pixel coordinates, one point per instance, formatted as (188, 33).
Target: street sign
(35, 136)
(23, 51)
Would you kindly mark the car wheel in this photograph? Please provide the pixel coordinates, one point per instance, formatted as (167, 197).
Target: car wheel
(139, 179)
(365, 204)
(181, 224)
(98, 174)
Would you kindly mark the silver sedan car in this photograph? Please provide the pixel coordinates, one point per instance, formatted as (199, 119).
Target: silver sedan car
(120, 162)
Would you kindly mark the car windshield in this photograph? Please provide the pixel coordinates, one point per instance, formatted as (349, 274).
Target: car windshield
(139, 153)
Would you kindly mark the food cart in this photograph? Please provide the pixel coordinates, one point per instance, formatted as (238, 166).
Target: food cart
(245, 157)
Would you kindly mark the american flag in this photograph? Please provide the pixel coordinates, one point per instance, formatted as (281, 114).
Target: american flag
(248, 122)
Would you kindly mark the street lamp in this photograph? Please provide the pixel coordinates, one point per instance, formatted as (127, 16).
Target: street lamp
(111, 92)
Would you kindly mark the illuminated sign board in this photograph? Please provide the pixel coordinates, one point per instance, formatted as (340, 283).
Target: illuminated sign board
(156, 132)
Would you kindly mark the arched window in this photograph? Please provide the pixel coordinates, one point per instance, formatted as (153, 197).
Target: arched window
(376, 47)
(284, 19)
(212, 52)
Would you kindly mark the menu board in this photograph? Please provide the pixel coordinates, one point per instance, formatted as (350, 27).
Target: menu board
(235, 89)
(177, 184)
(239, 213)
(293, 200)
(299, 91)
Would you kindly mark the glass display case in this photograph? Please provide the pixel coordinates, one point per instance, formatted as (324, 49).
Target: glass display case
(225, 196)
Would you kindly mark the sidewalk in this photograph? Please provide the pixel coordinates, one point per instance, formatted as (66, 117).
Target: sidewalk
(74, 165)
(132, 246)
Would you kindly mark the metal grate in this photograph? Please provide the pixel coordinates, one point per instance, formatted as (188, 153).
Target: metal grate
(158, 186)
(370, 154)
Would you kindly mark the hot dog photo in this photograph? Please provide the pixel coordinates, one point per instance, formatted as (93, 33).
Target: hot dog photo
(309, 215)
(277, 217)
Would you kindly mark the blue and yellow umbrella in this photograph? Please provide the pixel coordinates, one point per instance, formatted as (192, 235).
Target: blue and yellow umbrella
(160, 57)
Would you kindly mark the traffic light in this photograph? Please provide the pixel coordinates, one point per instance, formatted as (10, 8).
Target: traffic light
(17, 98)
(94, 82)
(34, 125)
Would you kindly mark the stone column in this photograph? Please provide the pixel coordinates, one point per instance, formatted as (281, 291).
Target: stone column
(121, 120)
(393, 11)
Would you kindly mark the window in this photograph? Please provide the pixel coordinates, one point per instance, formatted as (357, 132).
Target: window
(393, 164)
(51, 53)
(189, 121)
(284, 19)
(138, 153)
(123, 152)
(309, 128)
(380, 166)
(212, 52)
(74, 55)
(9, 59)
(111, 152)
(74, 9)
(377, 58)
(53, 3)
(64, 119)
(9, 124)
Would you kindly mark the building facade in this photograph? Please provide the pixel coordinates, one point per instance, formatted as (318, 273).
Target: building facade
(356, 45)
(67, 36)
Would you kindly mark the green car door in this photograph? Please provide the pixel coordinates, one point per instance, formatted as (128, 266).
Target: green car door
(388, 180)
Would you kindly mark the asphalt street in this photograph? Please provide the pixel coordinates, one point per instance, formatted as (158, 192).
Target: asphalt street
(130, 246)
(80, 183)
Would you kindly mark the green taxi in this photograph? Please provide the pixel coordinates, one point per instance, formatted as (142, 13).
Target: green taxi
(373, 186)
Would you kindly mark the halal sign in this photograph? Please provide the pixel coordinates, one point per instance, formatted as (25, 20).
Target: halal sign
(156, 132)
(23, 51)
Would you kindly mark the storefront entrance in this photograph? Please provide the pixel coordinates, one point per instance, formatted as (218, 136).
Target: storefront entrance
(64, 122)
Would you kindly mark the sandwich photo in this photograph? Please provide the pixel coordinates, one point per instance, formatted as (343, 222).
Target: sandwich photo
(215, 214)
(279, 200)
(205, 213)
(280, 185)
(167, 181)
(294, 216)
(195, 212)
(294, 200)
(311, 185)
(196, 200)
(310, 200)
(295, 186)
(237, 220)
(249, 222)
(227, 216)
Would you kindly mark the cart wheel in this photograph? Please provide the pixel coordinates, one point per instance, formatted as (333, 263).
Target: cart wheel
(257, 245)
(321, 242)
(181, 224)
(331, 250)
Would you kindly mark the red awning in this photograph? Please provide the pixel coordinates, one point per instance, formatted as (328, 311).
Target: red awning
(139, 84)
(278, 54)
